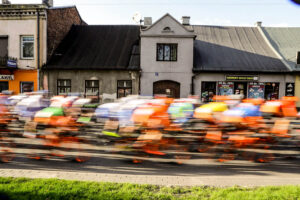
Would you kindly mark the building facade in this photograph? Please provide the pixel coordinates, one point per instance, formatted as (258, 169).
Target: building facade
(101, 62)
(23, 44)
(286, 42)
(166, 58)
(182, 59)
(238, 60)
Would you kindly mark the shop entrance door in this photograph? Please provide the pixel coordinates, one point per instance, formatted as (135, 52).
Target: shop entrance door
(168, 88)
(240, 88)
(3, 85)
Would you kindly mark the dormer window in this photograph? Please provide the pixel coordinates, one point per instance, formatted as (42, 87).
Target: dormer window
(167, 29)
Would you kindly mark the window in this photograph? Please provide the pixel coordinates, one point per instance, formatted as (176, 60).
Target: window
(290, 89)
(3, 46)
(92, 87)
(298, 58)
(63, 86)
(26, 87)
(27, 47)
(208, 91)
(271, 91)
(124, 88)
(166, 52)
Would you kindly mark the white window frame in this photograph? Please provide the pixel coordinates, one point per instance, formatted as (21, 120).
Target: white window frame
(22, 42)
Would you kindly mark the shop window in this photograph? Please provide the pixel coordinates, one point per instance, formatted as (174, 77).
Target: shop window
(27, 47)
(92, 87)
(208, 91)
(63, 86)
(225, 88)
(240, 88)
(26, 87)
(256, 90)
(166, 52)
(271, 91)
(290, 89)
(3, 85)
(124, 88)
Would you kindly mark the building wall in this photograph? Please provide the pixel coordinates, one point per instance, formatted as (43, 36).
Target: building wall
(107, 80)
(23, 76)
(14, 29)
(153, 70)
(60, 21)
(22, 20)
(282, 79)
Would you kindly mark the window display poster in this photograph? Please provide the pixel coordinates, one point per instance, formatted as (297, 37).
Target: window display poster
(225, 88)
(290, 89)
(256, 90)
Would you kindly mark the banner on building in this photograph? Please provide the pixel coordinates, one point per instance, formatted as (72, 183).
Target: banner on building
(256, 90)
(225, 88)
(241, 78)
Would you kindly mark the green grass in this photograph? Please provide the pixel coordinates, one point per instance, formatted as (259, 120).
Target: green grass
(23, 188)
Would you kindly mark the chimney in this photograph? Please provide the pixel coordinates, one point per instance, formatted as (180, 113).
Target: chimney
(298, 58)
(186, 20)
(147, 21)
(6, 2)
(48, 3)
(258, 24)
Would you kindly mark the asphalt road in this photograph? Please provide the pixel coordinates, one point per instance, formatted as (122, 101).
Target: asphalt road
(105, 165)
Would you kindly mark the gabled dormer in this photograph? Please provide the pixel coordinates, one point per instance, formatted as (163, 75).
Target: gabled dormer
(167, 26)
(166, 57)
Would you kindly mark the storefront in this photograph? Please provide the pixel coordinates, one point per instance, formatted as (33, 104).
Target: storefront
(264, 86)
(18, 81)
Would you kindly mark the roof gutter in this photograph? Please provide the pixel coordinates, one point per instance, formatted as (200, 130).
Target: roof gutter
(272, 48)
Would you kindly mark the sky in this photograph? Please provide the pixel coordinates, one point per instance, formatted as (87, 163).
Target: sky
(202, 12)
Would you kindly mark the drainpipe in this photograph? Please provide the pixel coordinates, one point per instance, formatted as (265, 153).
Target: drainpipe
(38, 49)
(192, 85)
(140, 75)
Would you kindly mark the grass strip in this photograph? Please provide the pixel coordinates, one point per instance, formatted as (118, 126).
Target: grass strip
(24, 188)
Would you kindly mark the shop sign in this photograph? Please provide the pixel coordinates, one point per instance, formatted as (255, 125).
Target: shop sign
(12, 63)
(241, 78)
(6, 77)
(290, 89)
(256, 90)
(225, 88)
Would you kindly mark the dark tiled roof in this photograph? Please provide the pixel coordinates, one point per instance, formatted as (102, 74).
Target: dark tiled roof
(98, 47)
(286, 41)
(233, 49)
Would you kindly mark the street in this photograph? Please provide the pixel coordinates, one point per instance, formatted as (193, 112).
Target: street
(105, 165)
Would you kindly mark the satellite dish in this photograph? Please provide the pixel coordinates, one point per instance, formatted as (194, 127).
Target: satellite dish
(137, 18)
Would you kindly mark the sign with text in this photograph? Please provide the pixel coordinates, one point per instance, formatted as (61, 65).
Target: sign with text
(241, 78)
(6, 77)
(12, 63)
(256, 90)
(225, 88)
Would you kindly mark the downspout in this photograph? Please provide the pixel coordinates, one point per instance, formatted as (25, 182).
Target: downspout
(140, 75)
(192, 85)
(38, 49)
